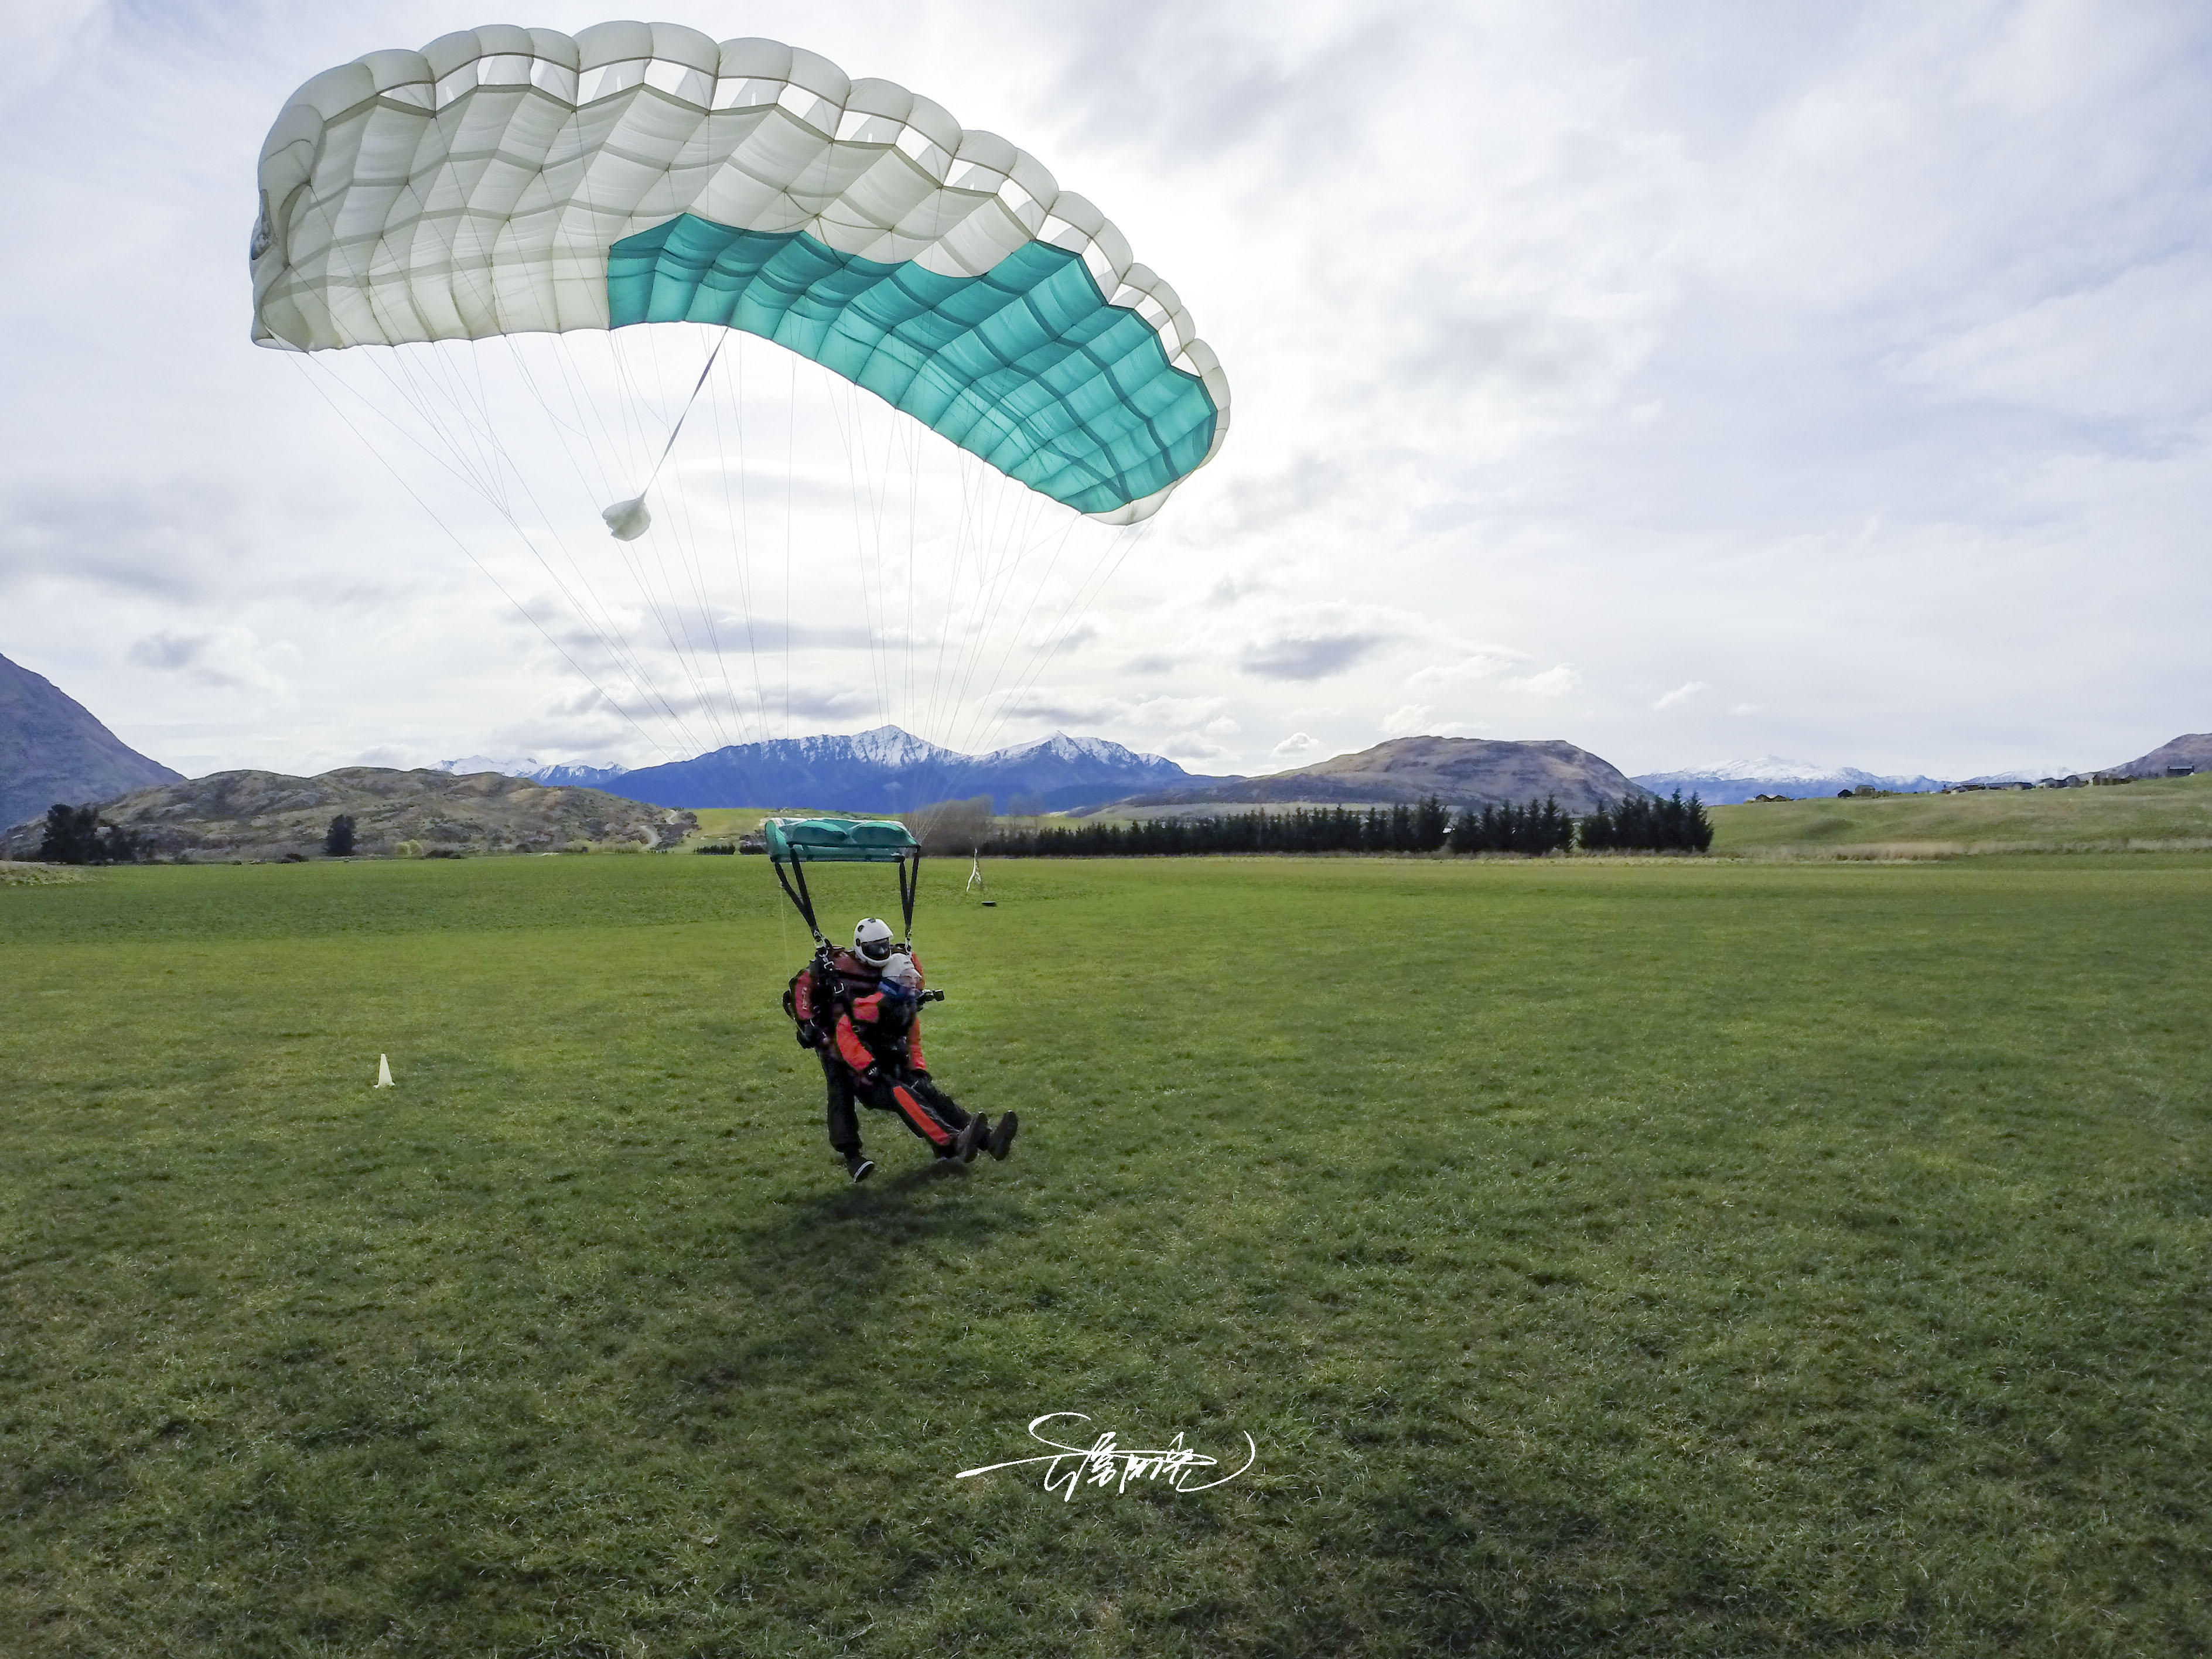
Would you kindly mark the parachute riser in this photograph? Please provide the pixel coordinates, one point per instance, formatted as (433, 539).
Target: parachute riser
(801, 900)
(909, 880)
(795, 889)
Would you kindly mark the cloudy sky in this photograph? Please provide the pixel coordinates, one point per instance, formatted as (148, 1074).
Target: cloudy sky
(1686, 380)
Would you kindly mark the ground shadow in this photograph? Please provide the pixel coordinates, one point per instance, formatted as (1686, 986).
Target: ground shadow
(812, 1279)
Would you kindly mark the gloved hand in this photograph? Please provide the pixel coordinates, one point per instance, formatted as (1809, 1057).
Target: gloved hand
(809, 1035)
(923, 1077)
(871, 1077)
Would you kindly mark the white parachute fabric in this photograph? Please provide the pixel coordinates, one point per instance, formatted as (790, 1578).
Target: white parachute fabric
(475, 188)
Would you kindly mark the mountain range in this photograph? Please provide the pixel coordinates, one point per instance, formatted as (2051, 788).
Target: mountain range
(1770, 775)
(53, 749)
(885, 770)
(1461, 771)
(2192, 748)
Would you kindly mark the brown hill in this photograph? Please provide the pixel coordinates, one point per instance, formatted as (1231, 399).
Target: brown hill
(266, 815)
(53, 749)
(2194, 749)
(1462, 771)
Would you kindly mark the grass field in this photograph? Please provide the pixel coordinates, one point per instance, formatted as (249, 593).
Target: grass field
(2168, 814)
(1607, 1257)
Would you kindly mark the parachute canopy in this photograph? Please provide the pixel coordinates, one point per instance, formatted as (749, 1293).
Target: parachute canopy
(509, 180)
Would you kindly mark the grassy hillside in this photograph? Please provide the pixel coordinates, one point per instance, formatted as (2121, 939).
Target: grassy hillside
(2165, 812)
(1607, 1258)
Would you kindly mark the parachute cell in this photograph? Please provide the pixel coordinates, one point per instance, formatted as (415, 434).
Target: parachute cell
(507, 180)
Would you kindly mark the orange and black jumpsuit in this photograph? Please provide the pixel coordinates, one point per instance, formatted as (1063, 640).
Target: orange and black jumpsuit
(866, 1035)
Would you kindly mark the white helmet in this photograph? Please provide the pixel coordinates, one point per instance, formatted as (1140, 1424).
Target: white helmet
(901, 972)
(872, 941)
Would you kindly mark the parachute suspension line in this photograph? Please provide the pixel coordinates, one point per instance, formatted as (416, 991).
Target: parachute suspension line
(1016, 552)
(686, 409)
(879, 502)
(488, 489)
(686, 537)
(980, 613)
(790, 457)
(944, 620)
(400, 479)
(1087, 592)
(732, 534)
(491, 486)
(860, 474)
(742, 545)
(1001, 525)
(663, 602)
(483, 476)
(951, 598)
(490, 483)
(939, 713)
(978, 706)
(562, 431)
(908, 441)
(638, 579)
(619, 448)
(860, 549)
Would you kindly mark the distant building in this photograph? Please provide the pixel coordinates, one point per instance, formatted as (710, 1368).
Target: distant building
(2181, 771)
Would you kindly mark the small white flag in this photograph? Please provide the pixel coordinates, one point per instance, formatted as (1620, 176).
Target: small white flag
(383, 1072)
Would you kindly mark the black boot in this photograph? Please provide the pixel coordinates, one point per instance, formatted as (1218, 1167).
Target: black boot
(858, 1167)
(1002, 1138)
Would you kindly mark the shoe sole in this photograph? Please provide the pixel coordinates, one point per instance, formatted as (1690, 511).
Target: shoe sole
(971, 1141)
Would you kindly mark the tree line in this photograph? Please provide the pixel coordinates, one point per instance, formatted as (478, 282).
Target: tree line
(1650, 823)
(78, 834)
(1533, 829)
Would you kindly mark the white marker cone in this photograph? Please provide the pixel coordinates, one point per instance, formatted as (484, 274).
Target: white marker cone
(383, 1072)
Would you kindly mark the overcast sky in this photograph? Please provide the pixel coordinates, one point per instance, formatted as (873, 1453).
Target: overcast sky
(1688, 381)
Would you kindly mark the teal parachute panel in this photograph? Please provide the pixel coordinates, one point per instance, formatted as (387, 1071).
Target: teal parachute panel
(1026, 365)
(837, 840)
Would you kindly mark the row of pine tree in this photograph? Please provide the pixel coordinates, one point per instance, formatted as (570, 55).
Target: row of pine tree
(1533, 829)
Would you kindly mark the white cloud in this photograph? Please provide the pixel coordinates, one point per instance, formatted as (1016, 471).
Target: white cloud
(1562, 679)
(1299, 742)
(1307, 656)
(228, 657)
(1681, 694)
(1406, 720)
(1479, 666)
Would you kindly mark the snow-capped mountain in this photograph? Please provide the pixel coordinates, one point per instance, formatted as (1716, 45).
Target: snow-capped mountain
(580, 777)
(892, 770)
(1773, 775)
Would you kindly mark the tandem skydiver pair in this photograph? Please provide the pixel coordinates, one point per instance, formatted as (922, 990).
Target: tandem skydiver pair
(859, 1010)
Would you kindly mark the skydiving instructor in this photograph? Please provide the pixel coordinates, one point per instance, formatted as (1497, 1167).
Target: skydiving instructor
(860, 1011)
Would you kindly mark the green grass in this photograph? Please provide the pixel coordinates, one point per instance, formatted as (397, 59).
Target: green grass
(2157, 814)
(1616, 1258)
